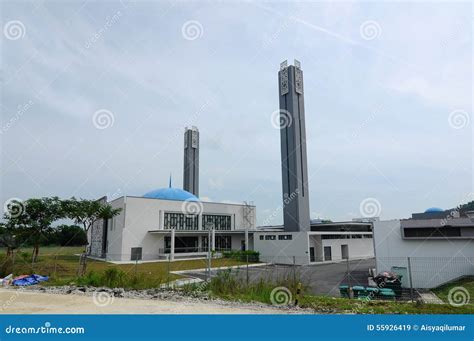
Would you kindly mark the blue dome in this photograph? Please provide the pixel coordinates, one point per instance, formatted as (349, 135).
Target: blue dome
(171, 193)
(434, 210)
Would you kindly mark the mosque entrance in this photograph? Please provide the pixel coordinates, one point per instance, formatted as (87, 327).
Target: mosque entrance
(182, 244)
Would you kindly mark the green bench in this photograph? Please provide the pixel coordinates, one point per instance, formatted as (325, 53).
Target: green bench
(361, 292)
(344, 291)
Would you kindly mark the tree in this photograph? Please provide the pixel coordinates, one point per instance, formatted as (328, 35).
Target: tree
(70, 235)
(86, 213)
(36, 219)
(467, 207)
(8, 238)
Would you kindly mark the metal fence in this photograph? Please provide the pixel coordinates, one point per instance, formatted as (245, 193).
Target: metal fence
(427, 272)
(318, 278)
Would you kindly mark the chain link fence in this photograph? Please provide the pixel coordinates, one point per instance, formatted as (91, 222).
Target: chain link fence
(416, 274)
(426, 272)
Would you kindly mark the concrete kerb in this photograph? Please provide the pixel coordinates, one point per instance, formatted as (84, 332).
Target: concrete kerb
(338, 261)
(184, 281)
(164, 261)
(191, 280)
(179, 272)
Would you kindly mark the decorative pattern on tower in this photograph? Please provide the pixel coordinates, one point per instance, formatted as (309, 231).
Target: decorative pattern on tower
(191, 161)
(293, 148)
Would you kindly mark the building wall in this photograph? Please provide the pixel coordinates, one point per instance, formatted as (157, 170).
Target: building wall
(316, 242)
(96, 235)
(357, 247)
(114, 232)
(433, 262)
(141, 215)
(237, 242)
(191, 161)
(283, 251)
(294, 165)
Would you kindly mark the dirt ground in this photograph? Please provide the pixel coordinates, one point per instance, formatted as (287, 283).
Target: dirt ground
(26, 302)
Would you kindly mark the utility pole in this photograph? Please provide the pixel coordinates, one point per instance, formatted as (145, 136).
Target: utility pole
(247, 256)
(294, 269)
(349, 288)
(411, 280)
(209, 226)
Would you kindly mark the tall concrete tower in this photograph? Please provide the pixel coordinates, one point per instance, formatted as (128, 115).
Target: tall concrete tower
(294, 165)
(191, 160)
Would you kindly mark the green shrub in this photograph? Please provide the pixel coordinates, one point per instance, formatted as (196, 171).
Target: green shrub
(70, 235)
(6, 266)
(92, 278)
(228, 285)
(224, 283)
(117, 278)
(114, 278)
(25, 256)
(242, 256)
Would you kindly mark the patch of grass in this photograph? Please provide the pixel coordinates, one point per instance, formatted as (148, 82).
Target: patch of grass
(61, 265)
(117, 278)
(228, 286)
(467, 283)
(344, 305)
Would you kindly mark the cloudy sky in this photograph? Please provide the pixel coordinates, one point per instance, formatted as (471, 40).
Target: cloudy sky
(96, 95)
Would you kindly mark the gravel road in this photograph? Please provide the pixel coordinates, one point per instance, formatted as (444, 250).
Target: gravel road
(105, 301)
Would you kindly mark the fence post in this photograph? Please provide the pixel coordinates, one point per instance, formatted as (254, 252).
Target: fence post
(411, 280)
(349, 287)
(247, 269)
(169, 264)
(298, 292)
(294, 269)
(55, 264)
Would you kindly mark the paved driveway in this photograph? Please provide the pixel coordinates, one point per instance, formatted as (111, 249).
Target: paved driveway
(322, 279)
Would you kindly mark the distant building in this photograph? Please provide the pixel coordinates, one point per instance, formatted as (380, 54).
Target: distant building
(172, 223)
(325, 242)
(294, 164)
(439, 243)
(191, 161)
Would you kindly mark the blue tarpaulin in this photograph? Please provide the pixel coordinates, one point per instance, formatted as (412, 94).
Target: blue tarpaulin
(29, 280)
